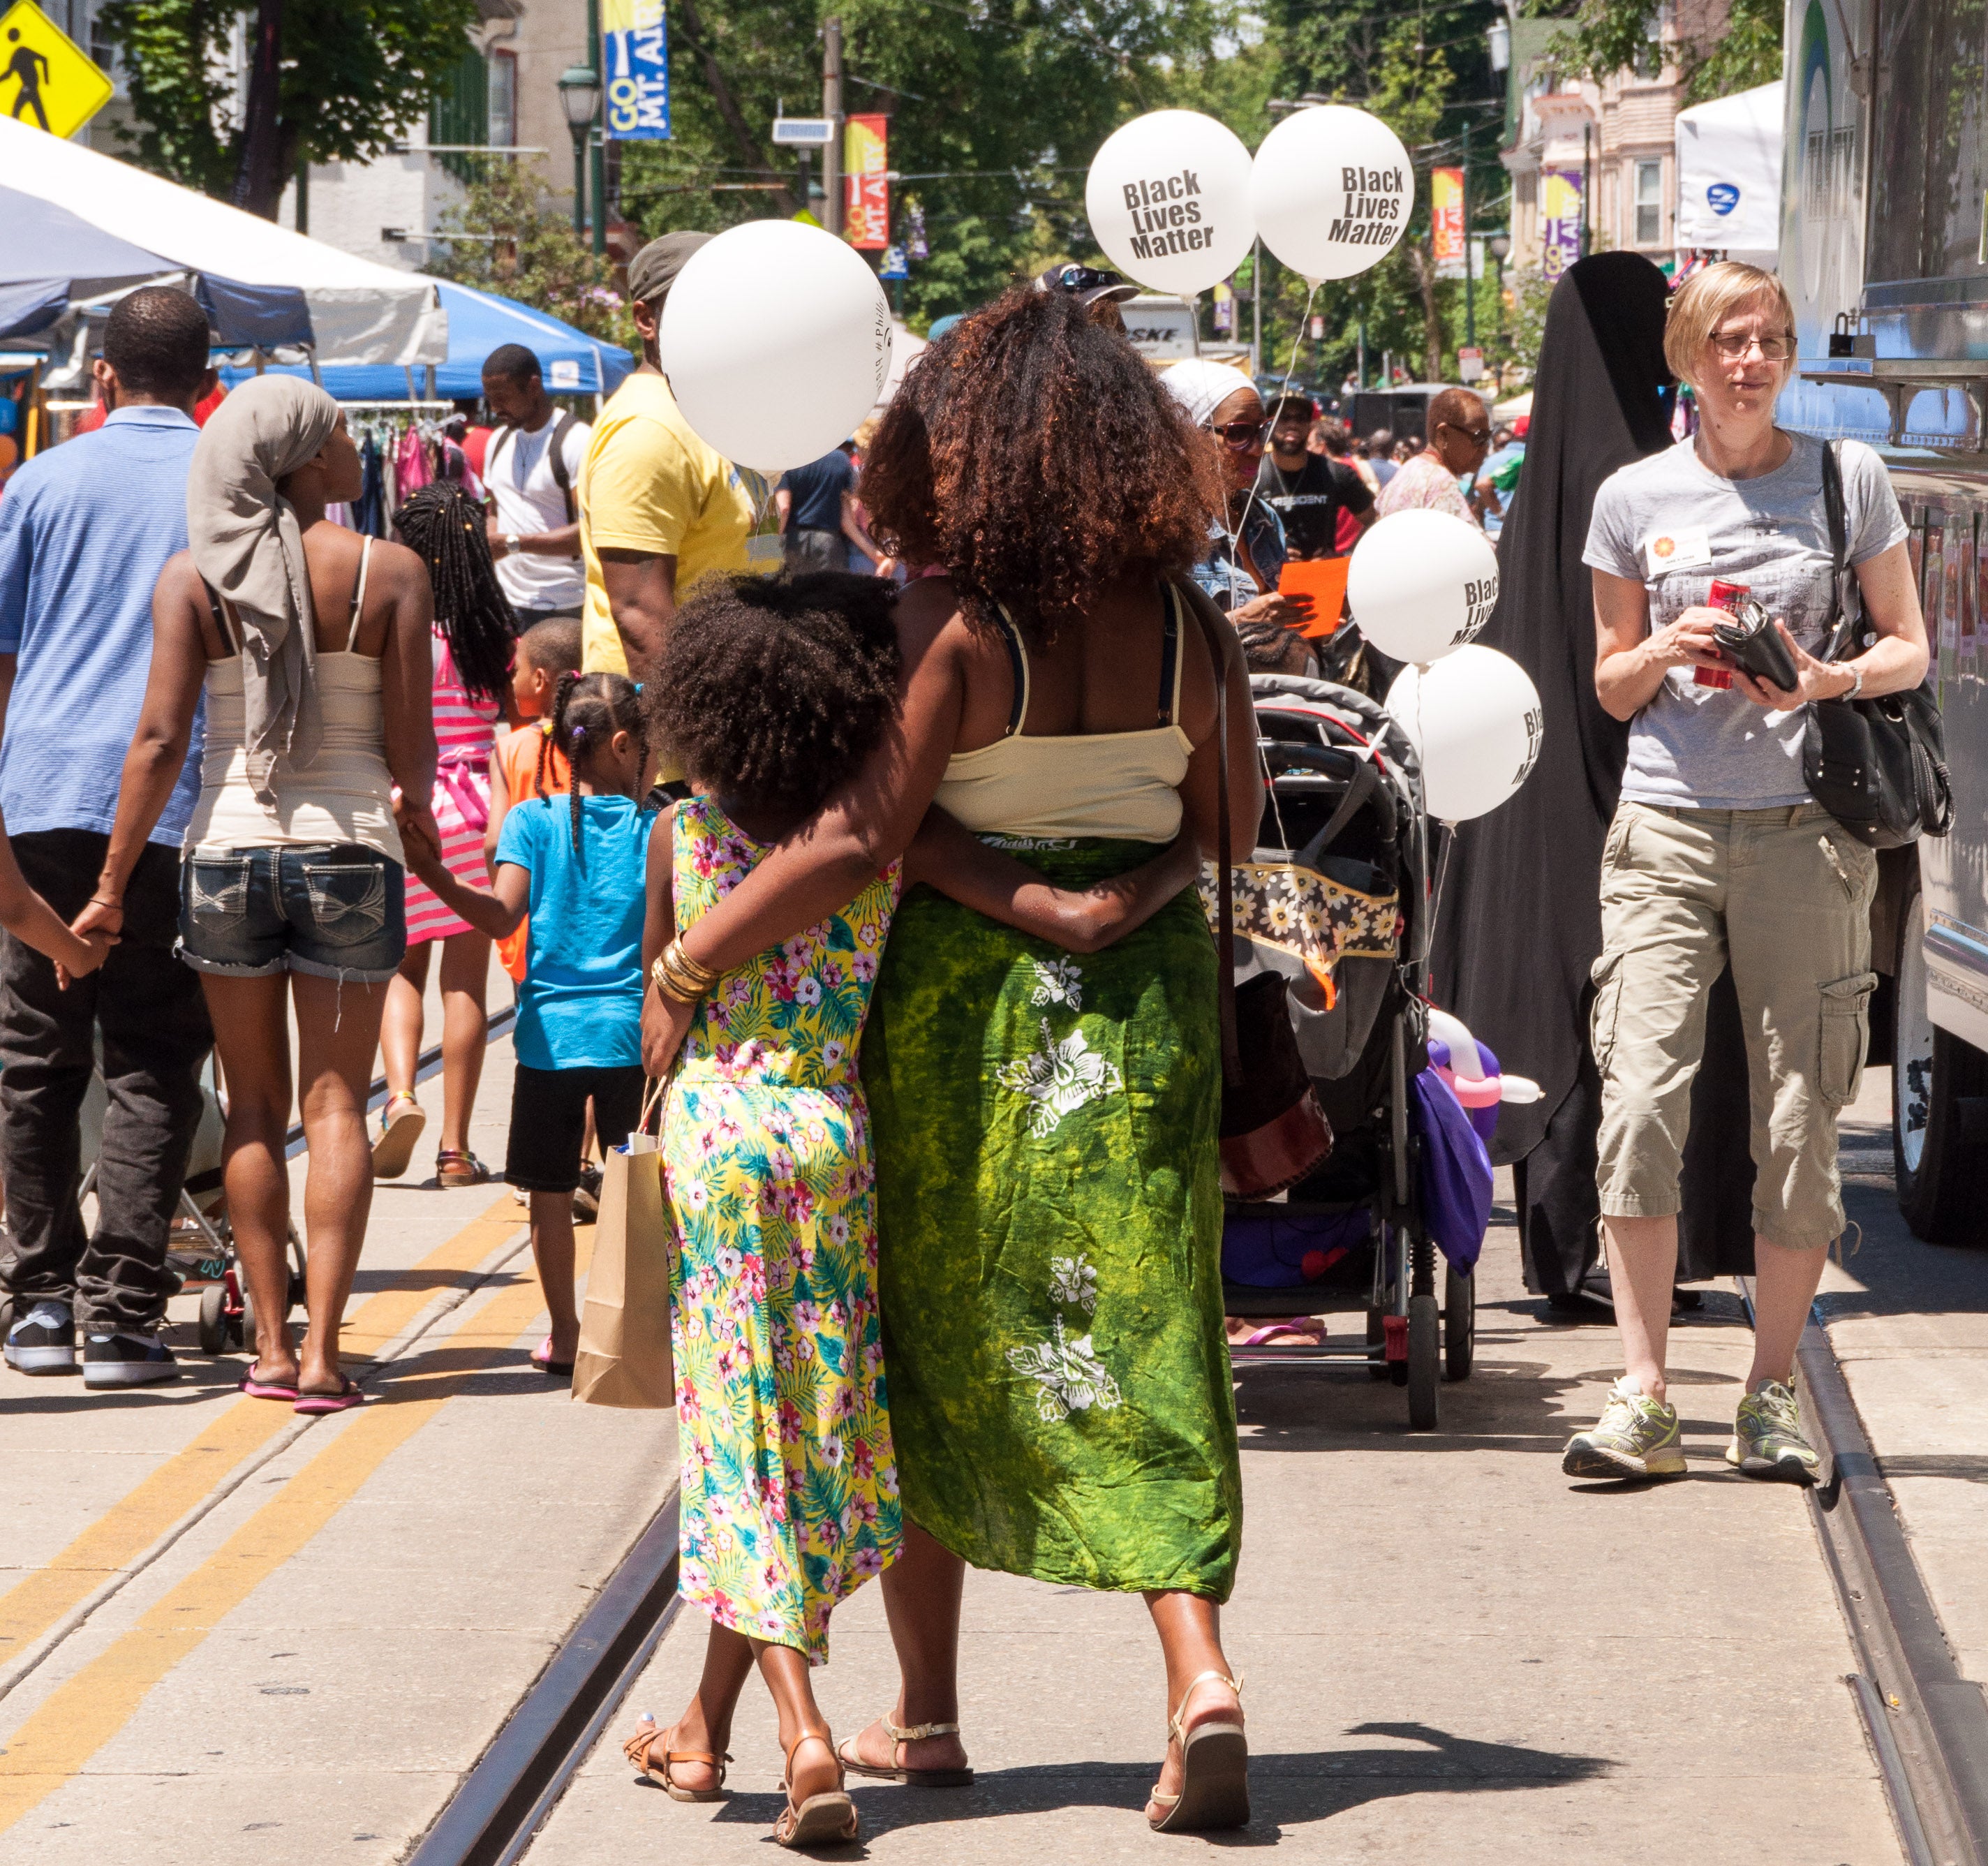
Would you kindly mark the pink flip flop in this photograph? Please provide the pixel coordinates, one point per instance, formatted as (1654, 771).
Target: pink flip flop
(341, 1401)
(266, 1389)
(542, 1360)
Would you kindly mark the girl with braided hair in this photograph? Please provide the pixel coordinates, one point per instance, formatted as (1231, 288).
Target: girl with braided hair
(575, 865)
(475, 632)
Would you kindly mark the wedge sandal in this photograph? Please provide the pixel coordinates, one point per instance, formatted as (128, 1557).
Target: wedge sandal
(639, 1750)
(401, 1121)
(1215, 1770)
(828, 1820)
(845, 1754)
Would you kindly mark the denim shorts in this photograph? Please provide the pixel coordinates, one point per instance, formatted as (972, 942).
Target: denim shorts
(331, 910)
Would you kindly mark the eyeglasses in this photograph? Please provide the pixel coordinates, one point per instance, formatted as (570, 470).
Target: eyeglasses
(1481, 435)
(1732, 345)
(1084, 279)
(1239, 434)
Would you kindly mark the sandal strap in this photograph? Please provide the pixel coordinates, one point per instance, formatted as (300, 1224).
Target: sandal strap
(918, 1732)
(1175, 1734)
(398, 1095)
(809, 1736)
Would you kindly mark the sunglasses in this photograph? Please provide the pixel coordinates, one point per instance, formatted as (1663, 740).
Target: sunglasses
(1238, 434)
(1084, 279)
(1481, 435)
(1732, 345)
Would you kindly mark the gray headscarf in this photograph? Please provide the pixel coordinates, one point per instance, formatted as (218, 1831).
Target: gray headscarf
(246, 544)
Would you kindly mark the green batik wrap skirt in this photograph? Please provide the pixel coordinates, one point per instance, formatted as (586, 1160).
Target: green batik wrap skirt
(1049, 1219)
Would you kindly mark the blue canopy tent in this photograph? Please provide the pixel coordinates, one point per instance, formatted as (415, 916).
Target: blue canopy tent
(573, 363)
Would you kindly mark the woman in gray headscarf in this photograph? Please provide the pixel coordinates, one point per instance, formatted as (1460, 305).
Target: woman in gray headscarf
(311, 645)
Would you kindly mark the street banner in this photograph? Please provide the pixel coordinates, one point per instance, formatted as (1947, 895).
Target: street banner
(1446, 217)
(47, 79)
(1560, 220)
(635, 44)
(865, 158)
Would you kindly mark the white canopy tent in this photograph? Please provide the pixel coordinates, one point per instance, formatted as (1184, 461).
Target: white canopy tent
(906, 346)
(1728, 167)
(358, 311)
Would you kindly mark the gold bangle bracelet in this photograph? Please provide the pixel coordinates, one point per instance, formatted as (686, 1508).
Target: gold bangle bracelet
(688, 969)
(679, 977)
(659, 976)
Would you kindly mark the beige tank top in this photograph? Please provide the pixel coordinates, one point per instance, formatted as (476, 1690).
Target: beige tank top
(344, 795)
(1122, 785)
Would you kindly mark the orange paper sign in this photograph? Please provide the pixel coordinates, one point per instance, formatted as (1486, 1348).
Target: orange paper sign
(1319, 582)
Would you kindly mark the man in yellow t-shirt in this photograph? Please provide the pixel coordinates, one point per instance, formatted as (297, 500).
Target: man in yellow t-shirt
(659, 509)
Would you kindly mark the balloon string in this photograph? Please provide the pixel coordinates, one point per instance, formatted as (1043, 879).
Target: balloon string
(1290, 371)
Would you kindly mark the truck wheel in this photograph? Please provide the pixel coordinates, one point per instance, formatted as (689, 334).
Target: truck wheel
(1939, 1107)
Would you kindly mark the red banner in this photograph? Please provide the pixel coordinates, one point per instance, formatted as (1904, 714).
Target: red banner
(1446, 215)
(866, 160)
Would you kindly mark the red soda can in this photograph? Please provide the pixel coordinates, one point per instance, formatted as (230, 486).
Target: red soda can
(1728, 596)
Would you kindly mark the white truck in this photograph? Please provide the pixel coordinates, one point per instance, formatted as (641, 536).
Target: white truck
(1885, 250)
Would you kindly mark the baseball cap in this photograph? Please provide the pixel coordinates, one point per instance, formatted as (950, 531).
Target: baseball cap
(1086, 284)
(654, 270)
(1292, 398)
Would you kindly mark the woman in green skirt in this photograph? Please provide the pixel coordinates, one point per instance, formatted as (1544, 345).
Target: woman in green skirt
(1045, 1120)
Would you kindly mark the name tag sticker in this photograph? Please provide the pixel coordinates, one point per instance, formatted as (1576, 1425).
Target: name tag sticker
(1677, 550)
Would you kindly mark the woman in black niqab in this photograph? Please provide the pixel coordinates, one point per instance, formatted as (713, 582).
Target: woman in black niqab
(1519, 920)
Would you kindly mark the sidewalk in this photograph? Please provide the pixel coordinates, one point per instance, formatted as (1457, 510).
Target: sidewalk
(1451, 1653)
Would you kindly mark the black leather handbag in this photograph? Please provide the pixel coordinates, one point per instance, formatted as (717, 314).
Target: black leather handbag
(1879, 766)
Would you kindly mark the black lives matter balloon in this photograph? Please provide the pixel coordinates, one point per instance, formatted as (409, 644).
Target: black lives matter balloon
(1332, 191)
(1168, 201)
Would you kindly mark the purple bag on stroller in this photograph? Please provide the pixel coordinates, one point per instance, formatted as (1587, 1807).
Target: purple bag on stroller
(1454, 1174)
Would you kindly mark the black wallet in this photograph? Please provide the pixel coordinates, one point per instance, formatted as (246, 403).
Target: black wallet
(1753, 644)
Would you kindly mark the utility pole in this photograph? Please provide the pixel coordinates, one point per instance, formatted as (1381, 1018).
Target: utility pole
(831, 108)
(597, 166)
(1470, 278)
(1586, 185)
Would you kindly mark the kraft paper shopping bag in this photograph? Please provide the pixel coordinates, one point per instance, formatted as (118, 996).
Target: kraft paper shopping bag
(625, 1357)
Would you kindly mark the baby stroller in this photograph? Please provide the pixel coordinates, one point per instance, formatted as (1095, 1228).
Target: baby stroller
(200, 1250)
(1347, 929)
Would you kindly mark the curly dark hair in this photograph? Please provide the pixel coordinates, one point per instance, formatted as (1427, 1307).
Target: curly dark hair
(1034, 455)
(772, 689)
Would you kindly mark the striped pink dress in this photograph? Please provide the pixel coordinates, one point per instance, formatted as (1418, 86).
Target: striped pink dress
(465, 731)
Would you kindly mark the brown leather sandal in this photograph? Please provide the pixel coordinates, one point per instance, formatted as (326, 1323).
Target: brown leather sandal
(827, 1820)
(639, 1750)
(1215, 1770)
(915, 1778)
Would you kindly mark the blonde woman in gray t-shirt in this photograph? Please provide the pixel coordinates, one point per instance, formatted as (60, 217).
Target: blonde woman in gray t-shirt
(1718, 853)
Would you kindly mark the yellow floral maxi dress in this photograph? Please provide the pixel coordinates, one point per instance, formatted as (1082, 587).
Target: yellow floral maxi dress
(790, 1496)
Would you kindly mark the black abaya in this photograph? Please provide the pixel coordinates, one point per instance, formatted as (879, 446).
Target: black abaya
(1519, 921)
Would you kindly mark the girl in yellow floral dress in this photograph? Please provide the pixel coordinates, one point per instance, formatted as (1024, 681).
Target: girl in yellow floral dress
(773, 691)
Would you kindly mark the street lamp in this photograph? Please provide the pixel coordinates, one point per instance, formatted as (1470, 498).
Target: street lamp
(1499, 247)
(580, 97)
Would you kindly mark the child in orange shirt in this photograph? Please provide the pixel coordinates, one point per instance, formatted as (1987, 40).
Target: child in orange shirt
(527, 763)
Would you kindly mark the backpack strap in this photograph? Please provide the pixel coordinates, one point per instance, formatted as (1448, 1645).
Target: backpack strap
(556, 449)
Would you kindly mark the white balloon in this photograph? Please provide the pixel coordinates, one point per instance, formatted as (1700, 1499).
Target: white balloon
(1168, 199)
(1332, 192)
(1476, 720)
(776, 341)
(1421, 584)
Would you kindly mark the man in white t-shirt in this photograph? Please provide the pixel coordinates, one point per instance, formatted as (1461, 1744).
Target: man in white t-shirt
(529, 470)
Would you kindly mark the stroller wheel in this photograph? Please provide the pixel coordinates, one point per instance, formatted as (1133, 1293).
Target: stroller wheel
(1421, 1365)
(214, 1329)
(1459, 1324)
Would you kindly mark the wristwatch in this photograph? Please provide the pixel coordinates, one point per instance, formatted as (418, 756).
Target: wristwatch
(511, 544)
(1856, 680)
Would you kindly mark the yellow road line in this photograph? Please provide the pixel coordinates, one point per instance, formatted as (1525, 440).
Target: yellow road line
(80, 1716)
(131, 1526)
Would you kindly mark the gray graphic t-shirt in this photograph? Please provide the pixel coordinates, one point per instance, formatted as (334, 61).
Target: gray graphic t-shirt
(1672, 524)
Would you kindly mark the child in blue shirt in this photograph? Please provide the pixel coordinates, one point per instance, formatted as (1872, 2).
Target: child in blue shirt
(575, 865)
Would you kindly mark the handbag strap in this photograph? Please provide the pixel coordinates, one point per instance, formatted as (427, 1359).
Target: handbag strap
(1840, 621)
(1206, 614)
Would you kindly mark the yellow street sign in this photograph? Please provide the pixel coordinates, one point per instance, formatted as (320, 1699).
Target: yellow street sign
(46, 78)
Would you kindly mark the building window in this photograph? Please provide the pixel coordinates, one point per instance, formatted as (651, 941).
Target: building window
(1649, 202)
(503, 99)
(459, 114)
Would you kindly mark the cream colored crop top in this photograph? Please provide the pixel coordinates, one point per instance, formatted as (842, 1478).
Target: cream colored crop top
(1122, 785)
(344, 795)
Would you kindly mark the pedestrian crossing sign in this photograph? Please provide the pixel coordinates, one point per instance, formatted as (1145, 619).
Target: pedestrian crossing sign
(46, 78)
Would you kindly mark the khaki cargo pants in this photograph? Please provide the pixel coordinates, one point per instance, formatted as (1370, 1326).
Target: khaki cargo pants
(1786, 895)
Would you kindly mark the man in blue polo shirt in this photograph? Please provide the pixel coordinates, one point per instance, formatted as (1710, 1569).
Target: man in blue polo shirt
(84, 530)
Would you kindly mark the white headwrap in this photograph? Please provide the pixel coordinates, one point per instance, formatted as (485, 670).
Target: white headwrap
(1203, 387)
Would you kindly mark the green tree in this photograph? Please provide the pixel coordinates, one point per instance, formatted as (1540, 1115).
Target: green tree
(499, 238)
(995, 108)
(350, 76)
(1719, 49)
